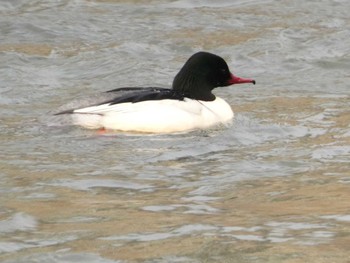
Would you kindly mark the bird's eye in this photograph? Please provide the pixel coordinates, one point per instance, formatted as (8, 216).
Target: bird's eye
(224, 71)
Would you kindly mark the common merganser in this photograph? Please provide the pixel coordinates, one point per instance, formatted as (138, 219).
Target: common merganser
(189, 105)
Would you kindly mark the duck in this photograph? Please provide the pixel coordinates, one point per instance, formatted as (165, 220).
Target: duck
(188, 105)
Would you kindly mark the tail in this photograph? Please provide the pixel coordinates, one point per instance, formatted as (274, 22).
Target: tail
(65, 112)
(73, 112)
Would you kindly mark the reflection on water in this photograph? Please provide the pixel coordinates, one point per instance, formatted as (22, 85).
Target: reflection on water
(271, 187)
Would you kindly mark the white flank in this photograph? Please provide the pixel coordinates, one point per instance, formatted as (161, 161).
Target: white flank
(161, 116)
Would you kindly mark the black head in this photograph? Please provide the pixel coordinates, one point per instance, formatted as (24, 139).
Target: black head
(202, 73)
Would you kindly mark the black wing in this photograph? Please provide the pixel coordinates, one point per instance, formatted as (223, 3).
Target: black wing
(133, 95)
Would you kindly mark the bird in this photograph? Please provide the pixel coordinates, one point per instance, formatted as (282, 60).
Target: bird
(188, 105)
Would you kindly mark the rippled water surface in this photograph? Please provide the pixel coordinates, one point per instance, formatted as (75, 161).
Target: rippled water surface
(272, 187)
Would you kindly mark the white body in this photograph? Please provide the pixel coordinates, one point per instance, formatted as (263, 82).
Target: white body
(155, 116)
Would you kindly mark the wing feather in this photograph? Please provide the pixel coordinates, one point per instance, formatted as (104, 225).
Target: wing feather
(125, 96)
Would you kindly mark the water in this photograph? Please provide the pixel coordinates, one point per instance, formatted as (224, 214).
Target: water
(272, 187)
